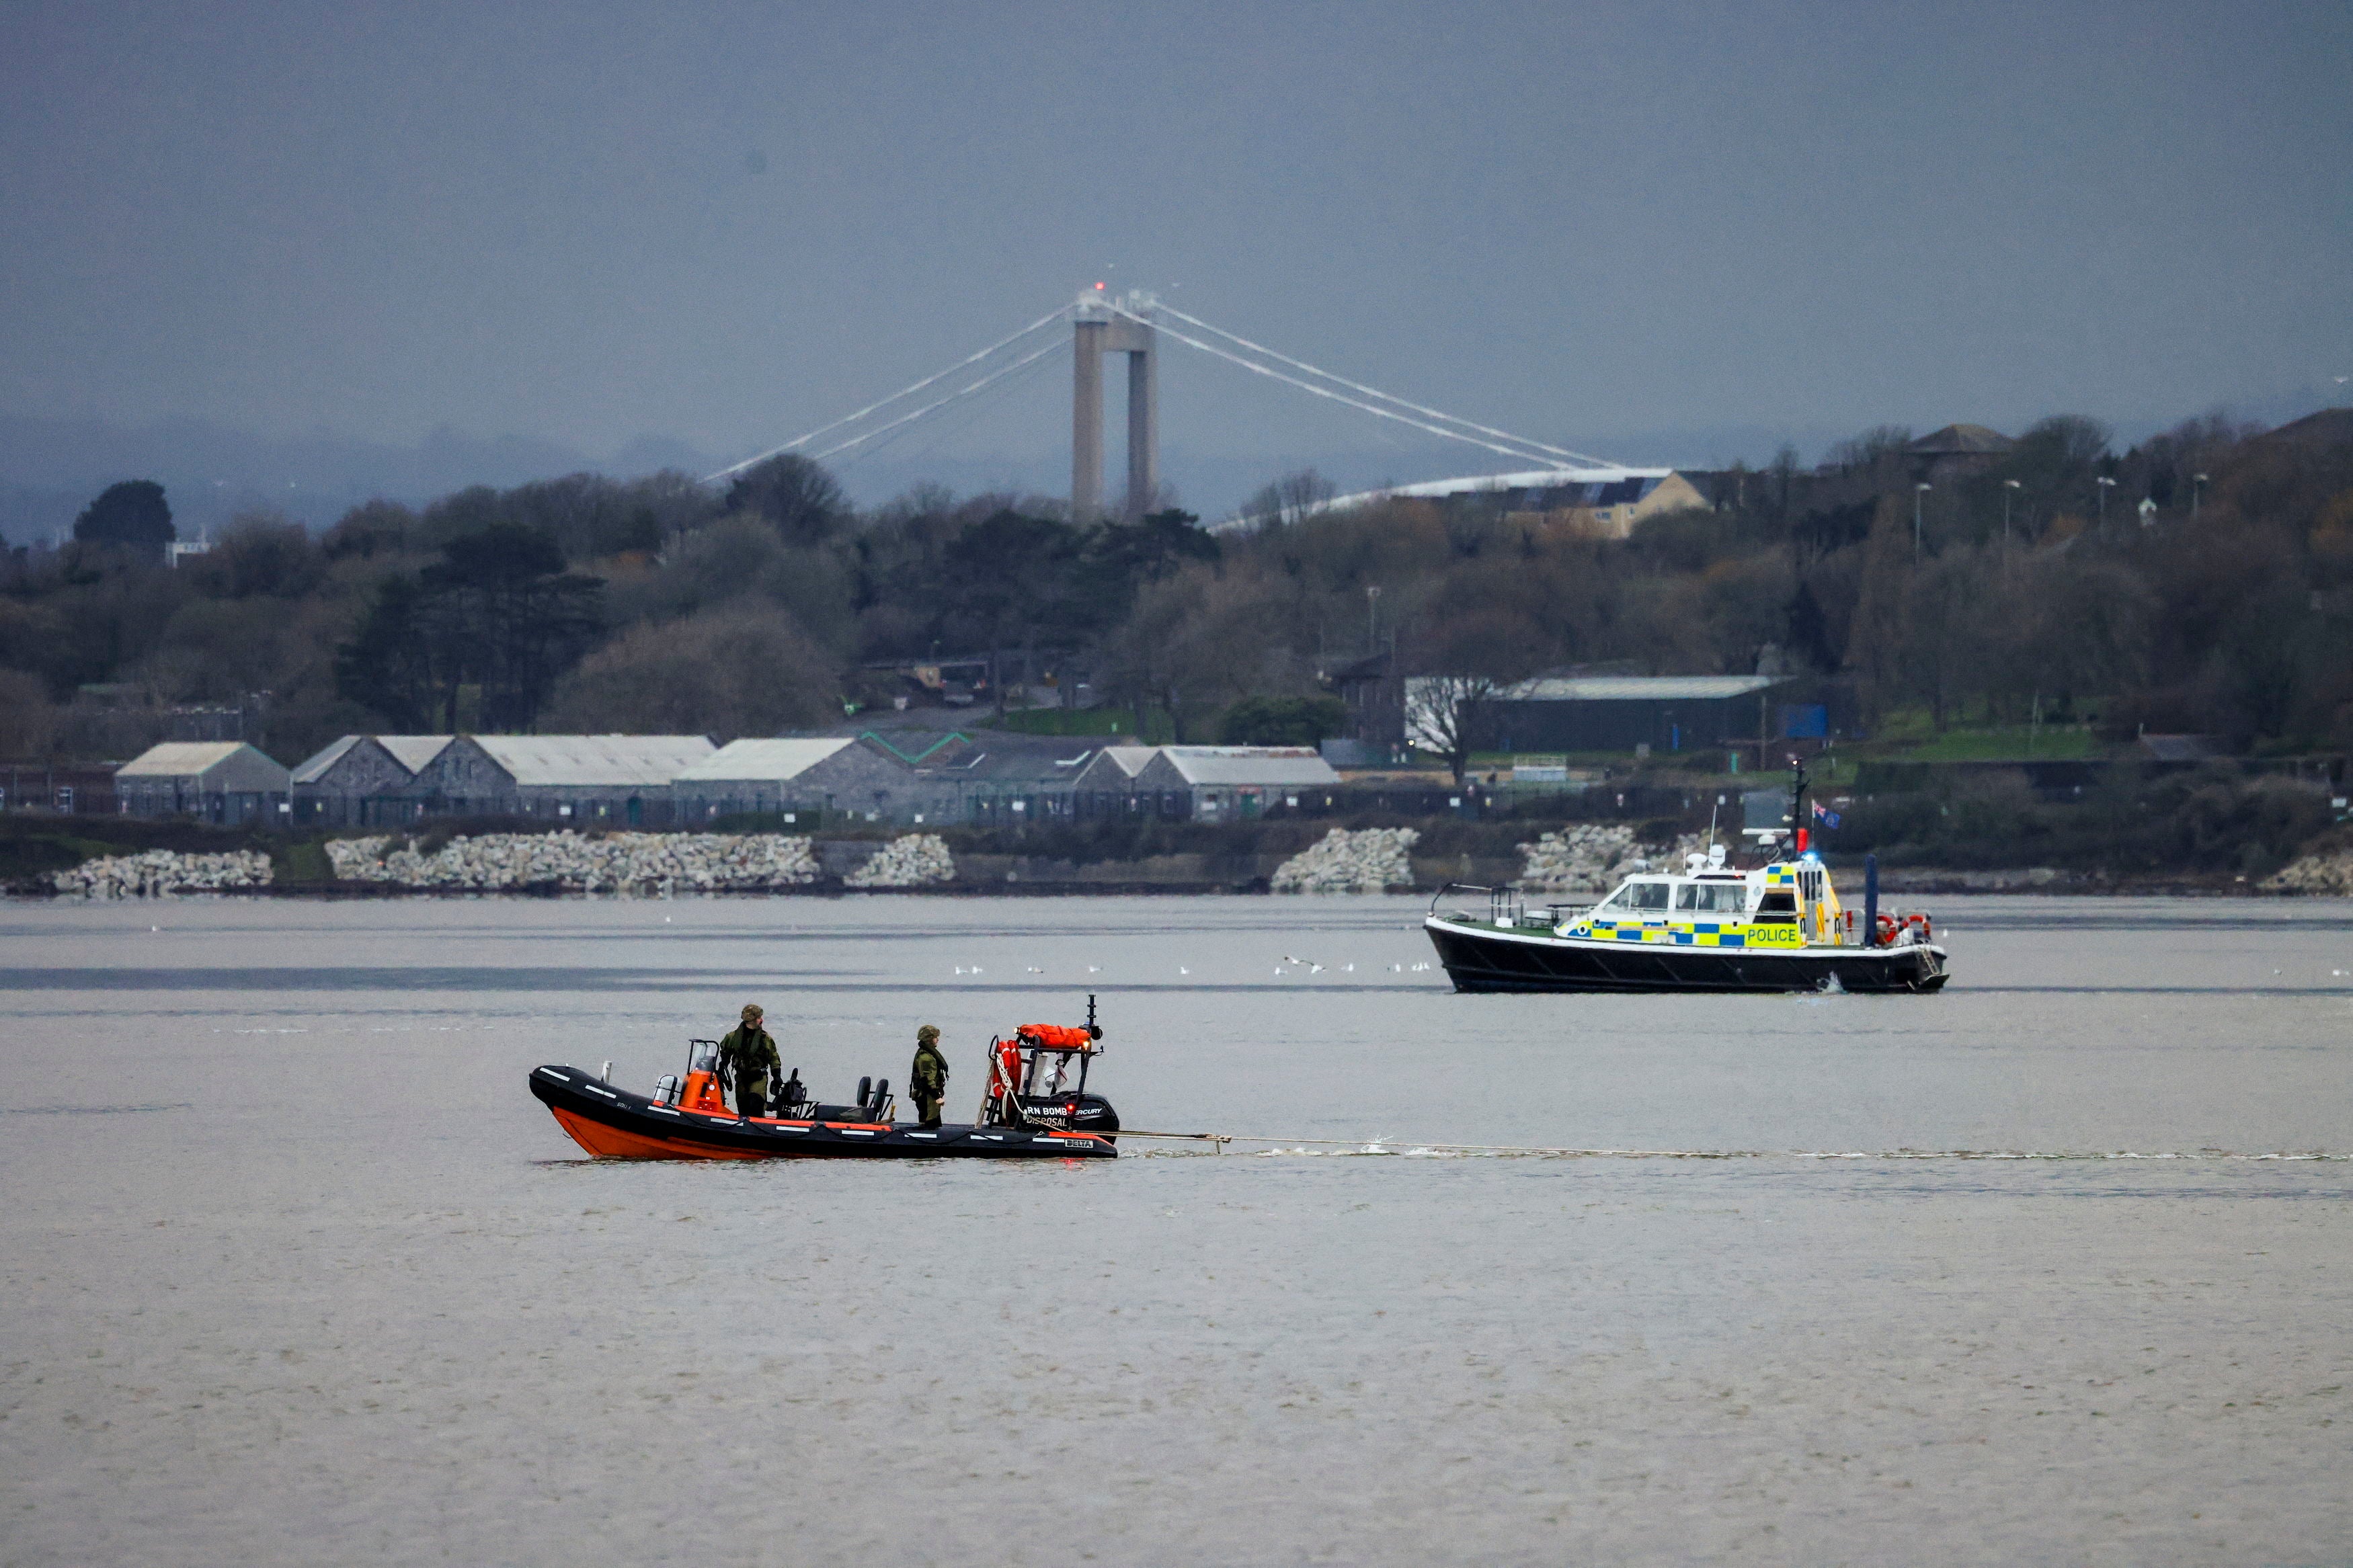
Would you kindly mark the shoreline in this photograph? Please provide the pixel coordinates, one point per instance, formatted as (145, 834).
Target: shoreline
(1910, 885)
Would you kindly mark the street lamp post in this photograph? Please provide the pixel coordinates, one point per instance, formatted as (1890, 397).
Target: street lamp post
(2009, 490)
(2197, 485)
(1919, 491)
(2105, 484)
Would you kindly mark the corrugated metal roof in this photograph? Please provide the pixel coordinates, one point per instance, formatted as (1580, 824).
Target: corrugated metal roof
(590, 760)
(413, 752)
(1477, 484)
(179, 759)
(1637, 687)
(1006, 760)
(316, 766)
(1249, 764)
(1129, 759)
(763, 761)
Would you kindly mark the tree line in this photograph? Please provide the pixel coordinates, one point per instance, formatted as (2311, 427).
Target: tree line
(2025, 583)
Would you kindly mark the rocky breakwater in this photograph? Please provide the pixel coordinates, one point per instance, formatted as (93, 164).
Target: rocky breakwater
(1370, 860)
(160, 872)
(1580, 860)
(1594, 856)
(653, 862)
(917, 860)
(2324, 876)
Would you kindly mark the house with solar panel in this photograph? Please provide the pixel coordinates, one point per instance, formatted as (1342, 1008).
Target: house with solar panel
(1589, 502)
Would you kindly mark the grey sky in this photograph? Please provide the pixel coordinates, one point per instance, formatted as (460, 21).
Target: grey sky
(586, 223)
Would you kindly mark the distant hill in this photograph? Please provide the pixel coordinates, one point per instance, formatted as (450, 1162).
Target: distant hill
(50, 468)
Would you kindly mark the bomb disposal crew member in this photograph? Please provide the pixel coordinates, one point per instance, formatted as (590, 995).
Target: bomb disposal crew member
(927, 1080)
(749, 1053)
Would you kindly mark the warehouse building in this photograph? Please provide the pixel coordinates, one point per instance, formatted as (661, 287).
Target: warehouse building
(828, 774)
(1106, 787)
(1231, 783)
(1004, 781)
(586, 781)
(1624, 713)
(224, 782)
(363, 781)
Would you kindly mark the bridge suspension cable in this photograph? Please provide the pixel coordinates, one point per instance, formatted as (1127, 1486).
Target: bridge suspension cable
(1157, 316)
(1168, 310)
(1523, 455)
(909, 418)
(1055, 315)
(947, 427)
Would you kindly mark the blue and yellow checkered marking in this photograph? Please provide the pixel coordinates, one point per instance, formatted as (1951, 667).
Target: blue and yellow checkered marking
(1694, 933)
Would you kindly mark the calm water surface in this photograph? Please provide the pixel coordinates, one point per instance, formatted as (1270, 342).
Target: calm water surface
(293, 1269)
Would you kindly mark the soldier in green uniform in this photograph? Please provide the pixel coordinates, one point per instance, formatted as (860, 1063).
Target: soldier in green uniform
(749, 1053)
(927, 1080)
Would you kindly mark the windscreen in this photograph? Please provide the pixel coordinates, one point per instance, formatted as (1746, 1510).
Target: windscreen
(1645, 896)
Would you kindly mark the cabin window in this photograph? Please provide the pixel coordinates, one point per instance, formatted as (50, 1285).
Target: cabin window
(1645, 896)
(1712, 897)
(1778, 901)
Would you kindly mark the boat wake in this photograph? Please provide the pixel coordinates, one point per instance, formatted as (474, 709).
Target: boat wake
(1284, 1149)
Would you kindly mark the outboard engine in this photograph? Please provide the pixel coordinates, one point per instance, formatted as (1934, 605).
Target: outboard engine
(1029, 1074)
(1071, 1113)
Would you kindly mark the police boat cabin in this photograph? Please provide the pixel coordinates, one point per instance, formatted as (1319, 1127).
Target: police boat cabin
(1779, 926)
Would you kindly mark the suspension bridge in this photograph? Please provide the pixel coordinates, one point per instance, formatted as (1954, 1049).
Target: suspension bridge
(1133, 324)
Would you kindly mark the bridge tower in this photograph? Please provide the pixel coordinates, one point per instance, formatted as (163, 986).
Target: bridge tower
(1102, 327)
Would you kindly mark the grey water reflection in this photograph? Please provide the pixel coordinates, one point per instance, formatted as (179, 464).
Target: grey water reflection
(296, 1271)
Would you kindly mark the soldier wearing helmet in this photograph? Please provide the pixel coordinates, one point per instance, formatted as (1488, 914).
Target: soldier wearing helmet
(749, 1054)
(927, 1080)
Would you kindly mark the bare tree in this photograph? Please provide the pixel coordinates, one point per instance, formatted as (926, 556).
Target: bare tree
(1443, 714)
(1457, 667)
(1292, 499)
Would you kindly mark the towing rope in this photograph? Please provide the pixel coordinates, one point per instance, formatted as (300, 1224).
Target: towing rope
(1393, 1146)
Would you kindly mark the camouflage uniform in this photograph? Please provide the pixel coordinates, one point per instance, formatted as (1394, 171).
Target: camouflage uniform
(927, 1080)
(749, 1053)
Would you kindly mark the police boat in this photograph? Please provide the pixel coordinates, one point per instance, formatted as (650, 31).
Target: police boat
(1776, 927)
(1036, 1106)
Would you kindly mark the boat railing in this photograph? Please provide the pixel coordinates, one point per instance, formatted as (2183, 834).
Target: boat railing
(1506, 906)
